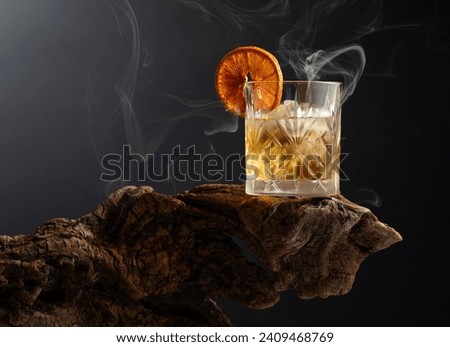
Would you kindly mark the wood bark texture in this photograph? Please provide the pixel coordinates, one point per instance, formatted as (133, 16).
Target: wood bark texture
(147, 259)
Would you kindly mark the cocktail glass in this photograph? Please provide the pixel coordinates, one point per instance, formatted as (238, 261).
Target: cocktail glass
(293, 149)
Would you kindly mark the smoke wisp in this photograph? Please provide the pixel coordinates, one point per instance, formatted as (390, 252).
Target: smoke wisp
(313, 40)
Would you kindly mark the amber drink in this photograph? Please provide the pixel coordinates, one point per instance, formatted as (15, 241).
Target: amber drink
(293, 149)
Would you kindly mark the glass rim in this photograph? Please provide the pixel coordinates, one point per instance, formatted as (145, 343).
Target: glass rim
(336, 83)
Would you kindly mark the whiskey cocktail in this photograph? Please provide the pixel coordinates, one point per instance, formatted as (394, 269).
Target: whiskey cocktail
(293, 149)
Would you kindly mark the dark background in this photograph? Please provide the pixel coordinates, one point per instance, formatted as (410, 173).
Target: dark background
(79, 79)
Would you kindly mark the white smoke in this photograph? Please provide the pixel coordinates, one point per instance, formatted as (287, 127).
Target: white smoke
(344, 64)
(367, 196)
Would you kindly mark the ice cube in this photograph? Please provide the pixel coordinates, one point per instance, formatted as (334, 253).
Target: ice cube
(306, 109)
(285, 110)
(291, 108)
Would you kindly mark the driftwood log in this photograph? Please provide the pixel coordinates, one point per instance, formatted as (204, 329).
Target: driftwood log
(143, 258)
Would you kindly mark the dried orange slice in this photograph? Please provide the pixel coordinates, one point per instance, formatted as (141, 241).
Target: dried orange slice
(244, 63)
